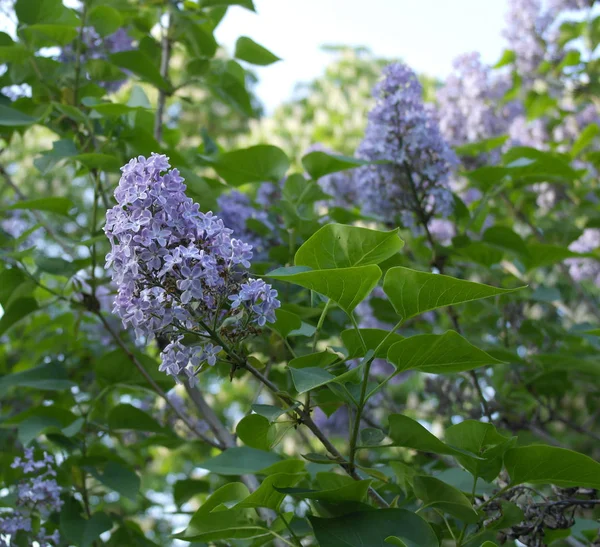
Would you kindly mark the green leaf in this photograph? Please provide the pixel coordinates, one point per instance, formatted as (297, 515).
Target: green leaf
(121, 479)
(511, 515)
(14, 118)
(248, 4)
(43, 35)
(103, 162)
(372, 338)
(240, 460)
(115, 367)
(256, 431)
(412, 292)
(372, 528)
(11, 280)
(94, 527)
(286, 323)
(17, 310)
(527, 165)
(371, 436)
(186, 489)
(539, 464)
(347, 287)
(50, 377)
(255, 164)
(484, 440)
(436, 493)
(58, 205)
(141, 65)
(393, 540)
(320, 360)
(44, 11)
(270, 412)
(411, 434)
(586, 137)
(309, 378)
(505, 238)
(353, 491)
(474, 149)
(42, 419)
(268, 494)
(248, 50)
(508, 57)
(214, 522)
(543, 254)
(341, 246)
(126, 416)
(105, 19)
(438, 354)
(318, 163)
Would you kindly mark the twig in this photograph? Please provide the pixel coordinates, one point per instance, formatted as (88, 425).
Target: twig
(440, 266)
(164, 72)
(153, 383)
(308, 421)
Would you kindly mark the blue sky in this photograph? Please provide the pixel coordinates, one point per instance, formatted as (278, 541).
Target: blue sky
(427, 34)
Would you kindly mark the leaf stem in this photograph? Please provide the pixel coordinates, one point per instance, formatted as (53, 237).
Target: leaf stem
(320, 324)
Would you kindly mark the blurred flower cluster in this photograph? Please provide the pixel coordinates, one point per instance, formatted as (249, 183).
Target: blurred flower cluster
(38, 496)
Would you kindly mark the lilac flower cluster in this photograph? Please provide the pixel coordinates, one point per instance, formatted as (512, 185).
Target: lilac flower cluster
(413, 183)
(469, 106)
(585, 268)
(36, 495)
(527, 26)
(341, 187)
(96, 47)
(556, 6)
(179, 271)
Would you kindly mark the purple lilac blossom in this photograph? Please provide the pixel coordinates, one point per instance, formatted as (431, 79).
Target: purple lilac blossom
(37, 496)
(178, 270)
(469, 105)
(527, 26)
(585, 268)
(235, 209)
(268, 194)
(96, 47)
(404, 132)
(442, 230)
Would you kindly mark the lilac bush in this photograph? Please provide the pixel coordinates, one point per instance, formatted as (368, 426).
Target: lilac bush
(179, 271)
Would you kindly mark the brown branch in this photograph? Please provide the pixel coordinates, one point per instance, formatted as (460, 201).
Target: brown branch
(308, 421)
(154, 385)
